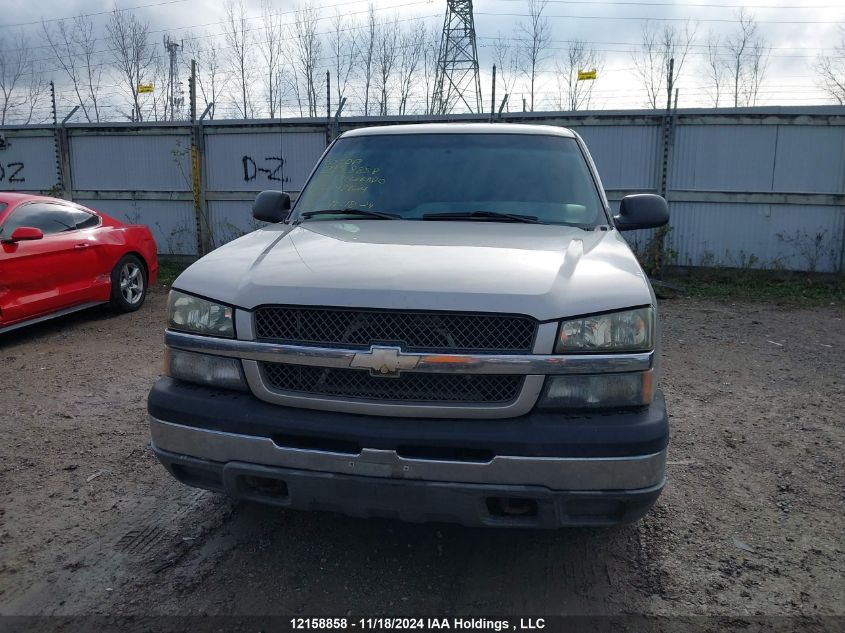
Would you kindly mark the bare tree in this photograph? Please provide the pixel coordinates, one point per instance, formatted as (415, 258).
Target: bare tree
(36, 88)
(290, 75)
(344, 52)
(651, 59)
(368, 49)
(239, 41)
(270, 46)
(411, 48)
(758, 64)
(73, 44)
(534, 41)
(715, 68)
(748, 59)
(831, 70)
(387, 54)
(507, 63)
(429, 66)
(159, 105)
(307, 48)
(128, 39)
(15, 63)
(572, 93)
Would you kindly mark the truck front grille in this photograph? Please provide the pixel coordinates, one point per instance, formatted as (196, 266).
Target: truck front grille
(413, 331)
(407, 388)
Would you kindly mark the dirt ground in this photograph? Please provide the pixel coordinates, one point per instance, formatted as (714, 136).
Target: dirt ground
(751, 522)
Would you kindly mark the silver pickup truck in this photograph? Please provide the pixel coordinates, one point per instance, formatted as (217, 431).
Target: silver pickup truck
(447, 325)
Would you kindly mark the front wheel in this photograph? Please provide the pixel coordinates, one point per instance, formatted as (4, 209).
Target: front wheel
(128, 284)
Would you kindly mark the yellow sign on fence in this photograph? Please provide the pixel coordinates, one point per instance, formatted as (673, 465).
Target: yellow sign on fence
(145, 88)
(586, 74)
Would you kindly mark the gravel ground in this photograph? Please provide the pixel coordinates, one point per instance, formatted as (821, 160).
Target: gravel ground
(751, 522)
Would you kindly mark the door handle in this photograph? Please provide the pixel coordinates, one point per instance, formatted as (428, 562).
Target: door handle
(81, 246)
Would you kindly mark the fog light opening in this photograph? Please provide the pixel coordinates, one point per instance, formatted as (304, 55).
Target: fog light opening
(199, 477)
(265, 486)
(511, 507)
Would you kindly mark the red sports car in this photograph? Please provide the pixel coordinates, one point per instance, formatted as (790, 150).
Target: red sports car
(57, 257)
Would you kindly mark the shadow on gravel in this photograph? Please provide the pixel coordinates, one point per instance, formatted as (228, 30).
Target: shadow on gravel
(66, 324)
(264, 561)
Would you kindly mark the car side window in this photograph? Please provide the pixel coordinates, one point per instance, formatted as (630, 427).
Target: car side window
(50, 218)
(84, 220)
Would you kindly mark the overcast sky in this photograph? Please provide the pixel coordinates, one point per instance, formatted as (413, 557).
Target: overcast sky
(796, 30)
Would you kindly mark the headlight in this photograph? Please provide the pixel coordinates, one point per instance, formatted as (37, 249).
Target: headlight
(200, 316)
(628, 331)
(601, 391)
(204, 369)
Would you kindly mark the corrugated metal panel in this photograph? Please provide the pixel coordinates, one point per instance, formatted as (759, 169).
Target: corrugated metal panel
(625, 156)
(723, 157)
(810, 159)
(125, 162)
(230, 220)
(756, 235)
(807, 237)
(760, 156)
(268, 160)
(28, 164)
(172, 223)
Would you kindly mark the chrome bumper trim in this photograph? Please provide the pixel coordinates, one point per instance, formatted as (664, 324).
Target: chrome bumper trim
(555, 473)
(514, 364)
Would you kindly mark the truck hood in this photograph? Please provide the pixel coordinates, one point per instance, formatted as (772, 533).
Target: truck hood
(546, 272)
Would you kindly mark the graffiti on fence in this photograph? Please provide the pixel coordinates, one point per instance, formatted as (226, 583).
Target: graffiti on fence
(271, 168)
(12, 172)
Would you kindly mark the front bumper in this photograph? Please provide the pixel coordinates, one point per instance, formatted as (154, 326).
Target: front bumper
(539, 470)
(490, 505)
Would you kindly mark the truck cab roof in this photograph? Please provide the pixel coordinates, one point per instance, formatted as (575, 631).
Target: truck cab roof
(462, 128)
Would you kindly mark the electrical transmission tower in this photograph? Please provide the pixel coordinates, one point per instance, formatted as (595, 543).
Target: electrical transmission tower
(456, 79)
(174, 91)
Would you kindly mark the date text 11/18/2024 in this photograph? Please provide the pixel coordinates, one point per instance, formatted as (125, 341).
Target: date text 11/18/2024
(421, 624)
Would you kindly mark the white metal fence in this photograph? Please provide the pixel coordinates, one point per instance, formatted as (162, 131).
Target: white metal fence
(755, 187)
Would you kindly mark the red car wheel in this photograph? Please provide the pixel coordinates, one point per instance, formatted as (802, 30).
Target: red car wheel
(128, 284)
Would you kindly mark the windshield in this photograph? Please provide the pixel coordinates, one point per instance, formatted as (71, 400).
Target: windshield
(417, 176)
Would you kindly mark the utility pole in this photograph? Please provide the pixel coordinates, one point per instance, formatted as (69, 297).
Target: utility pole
(328, 108)
(456, 79)
(670, 81)
(493, 96)
(657, 245)
(58, 142)
(204, 232)
(173, 76)
(53, 101)
(192, 90)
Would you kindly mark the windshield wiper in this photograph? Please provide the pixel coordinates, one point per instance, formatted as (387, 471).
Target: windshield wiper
(360, 213)
(492, 215)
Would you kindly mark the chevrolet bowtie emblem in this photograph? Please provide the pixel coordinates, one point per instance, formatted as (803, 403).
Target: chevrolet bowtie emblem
(384, 361)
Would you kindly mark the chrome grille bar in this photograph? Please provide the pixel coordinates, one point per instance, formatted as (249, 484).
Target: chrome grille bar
(514, 364)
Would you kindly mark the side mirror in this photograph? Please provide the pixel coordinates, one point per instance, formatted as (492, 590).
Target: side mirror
(641, 211)
(271, 206)
(24, 233)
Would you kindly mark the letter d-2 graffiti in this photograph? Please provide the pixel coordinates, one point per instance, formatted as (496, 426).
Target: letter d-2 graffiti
(271, 167)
